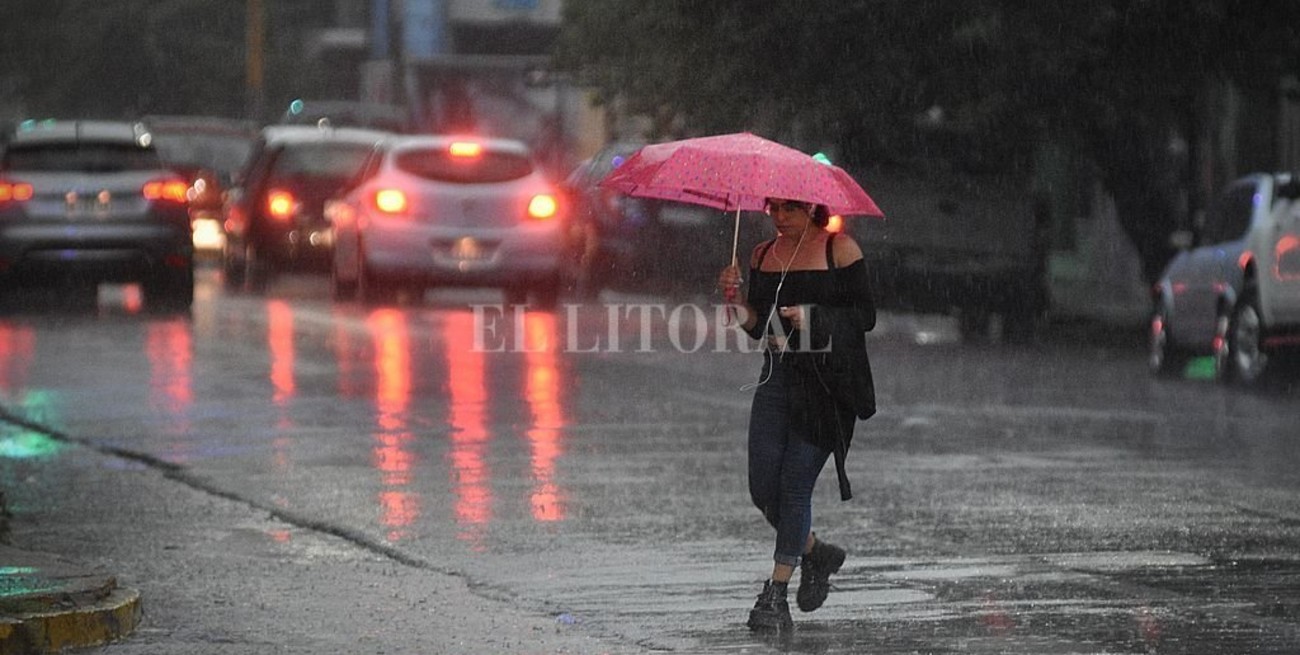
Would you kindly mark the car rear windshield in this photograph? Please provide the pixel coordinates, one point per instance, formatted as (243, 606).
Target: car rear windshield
(219, 152)
(80, 157)
(321, 160)
(441, 166)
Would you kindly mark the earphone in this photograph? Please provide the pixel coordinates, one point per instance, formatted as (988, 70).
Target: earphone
(776, 297)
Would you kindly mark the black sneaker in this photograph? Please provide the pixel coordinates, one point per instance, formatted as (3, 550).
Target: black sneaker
(772, 611)
(814, 574)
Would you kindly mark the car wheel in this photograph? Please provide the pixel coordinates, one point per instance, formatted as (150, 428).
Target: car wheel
(372, 289)
(255, 270)
(341, 290)
(515, 295)
(1247, 359)
(547, 294)
(173, 292)
(973, 323)
(1165, 357)
(232, 270)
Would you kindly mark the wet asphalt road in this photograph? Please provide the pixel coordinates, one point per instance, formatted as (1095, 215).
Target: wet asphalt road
(582, 466)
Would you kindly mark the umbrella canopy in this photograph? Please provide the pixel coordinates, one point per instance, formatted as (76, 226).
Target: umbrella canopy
(737, 172)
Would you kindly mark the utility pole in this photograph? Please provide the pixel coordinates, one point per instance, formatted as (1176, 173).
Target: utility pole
(254, 60)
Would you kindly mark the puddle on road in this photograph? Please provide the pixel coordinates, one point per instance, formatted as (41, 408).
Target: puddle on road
(1169, 603)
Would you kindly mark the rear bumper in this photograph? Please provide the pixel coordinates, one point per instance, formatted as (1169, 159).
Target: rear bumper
(46, 254)
(496, 258)
(306, 248)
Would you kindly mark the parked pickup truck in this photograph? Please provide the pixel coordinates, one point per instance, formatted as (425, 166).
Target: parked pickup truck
(961, 246)
(1234, 292)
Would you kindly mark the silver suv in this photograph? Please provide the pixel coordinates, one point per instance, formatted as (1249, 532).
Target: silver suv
(1235, 293)
(84, 202)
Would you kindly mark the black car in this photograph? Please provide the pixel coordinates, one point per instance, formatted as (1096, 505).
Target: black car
(85, 202)
(274, 216)
(643, 245)
(208, 151)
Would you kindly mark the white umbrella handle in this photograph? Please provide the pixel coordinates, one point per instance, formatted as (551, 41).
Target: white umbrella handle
(735, 239)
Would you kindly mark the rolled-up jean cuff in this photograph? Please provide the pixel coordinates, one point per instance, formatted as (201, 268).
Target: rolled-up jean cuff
(788, 560)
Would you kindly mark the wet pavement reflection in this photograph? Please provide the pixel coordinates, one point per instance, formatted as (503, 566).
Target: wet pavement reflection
(1045, 499)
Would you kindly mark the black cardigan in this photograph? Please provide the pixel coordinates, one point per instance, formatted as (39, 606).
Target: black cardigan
(833, 386)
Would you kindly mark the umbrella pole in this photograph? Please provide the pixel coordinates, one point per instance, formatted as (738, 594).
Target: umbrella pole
(735, 243)
(735, 238)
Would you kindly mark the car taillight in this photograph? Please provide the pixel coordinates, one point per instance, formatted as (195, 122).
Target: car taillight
(18, 191)
(543, 206)
(280, 204)
(170, 189)
(391, 201)
(465, 149)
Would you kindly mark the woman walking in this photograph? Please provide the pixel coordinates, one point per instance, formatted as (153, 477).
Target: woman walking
(809, 301)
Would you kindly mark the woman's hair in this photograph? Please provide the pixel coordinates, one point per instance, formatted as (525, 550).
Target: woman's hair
(821, 215)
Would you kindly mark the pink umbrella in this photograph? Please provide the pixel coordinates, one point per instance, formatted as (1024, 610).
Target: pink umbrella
(737, 172)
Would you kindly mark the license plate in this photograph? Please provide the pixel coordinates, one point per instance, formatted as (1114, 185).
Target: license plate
(88, 204)
(468, 248)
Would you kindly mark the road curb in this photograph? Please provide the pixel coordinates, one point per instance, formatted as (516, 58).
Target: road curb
(48, 604)
(81, 625)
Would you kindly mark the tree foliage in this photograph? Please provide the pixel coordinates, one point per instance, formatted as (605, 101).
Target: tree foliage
(977, 84)
(125, 58)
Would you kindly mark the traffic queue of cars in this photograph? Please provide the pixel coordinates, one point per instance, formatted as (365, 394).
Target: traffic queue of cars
(381, 212)
(88, 202)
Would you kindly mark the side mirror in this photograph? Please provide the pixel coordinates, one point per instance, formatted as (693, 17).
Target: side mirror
(1182, 239)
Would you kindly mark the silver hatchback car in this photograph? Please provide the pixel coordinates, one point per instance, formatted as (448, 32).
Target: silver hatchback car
(84, 202)
(430, 211)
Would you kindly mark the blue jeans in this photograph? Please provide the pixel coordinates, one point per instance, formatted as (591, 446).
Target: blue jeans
(783, 464)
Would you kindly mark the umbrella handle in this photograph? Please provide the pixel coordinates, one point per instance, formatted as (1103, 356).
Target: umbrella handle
(735, 239)
(735, 243)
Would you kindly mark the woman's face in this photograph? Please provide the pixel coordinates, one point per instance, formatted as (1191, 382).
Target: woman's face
(791, 217)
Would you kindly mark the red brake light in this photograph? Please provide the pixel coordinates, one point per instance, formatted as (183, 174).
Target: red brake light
(543, 206)
(280, 204)
(15, 191)
(391, 201)
(171, 189)
(465, 149)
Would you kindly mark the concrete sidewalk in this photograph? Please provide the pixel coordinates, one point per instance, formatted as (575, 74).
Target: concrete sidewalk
(48, 604)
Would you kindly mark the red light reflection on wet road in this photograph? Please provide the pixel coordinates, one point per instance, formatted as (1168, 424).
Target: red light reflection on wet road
(169, 349)
(469, 435)
(17, 347)
(167, 345)
(542, 392)
(279, 336)
(391, 454)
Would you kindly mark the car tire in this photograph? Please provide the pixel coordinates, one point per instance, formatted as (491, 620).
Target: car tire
(256, 275)
(546, 295)
(1165, 358)
(973, 323)
(1247, 359)
(515, 295)
(170, 293)
(341, 290)
(232, 271)
(372, 289)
